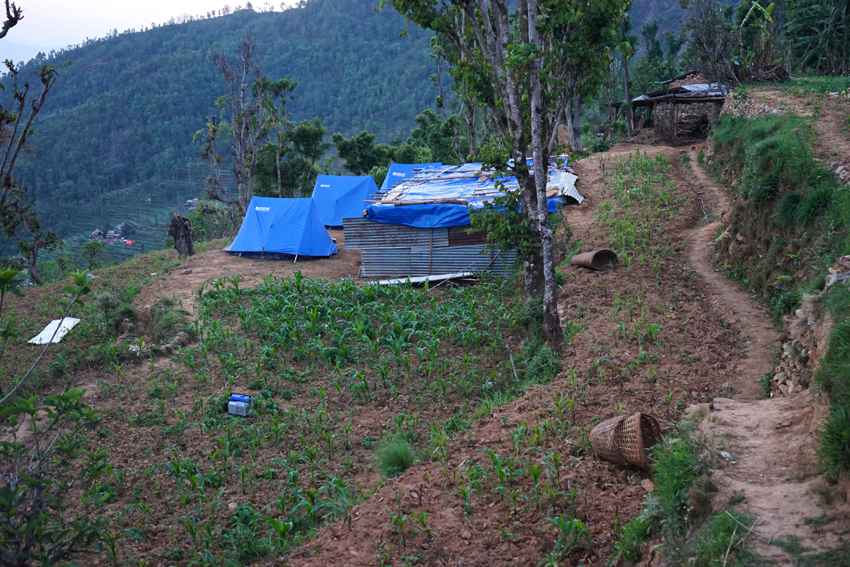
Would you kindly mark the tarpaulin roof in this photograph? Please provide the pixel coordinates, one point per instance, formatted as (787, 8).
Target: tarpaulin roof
(338, 197)
(283, 226)
(399, 172)
(441, 196)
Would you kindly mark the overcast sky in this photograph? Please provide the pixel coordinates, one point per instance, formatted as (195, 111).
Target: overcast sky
(58, 23)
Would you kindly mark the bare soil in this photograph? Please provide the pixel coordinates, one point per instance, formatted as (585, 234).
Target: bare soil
(717, 343)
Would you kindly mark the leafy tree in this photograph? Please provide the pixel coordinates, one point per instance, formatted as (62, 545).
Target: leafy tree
(821, 34)
(13, 16)
(525, 65)
(297, 163)
(91, 252)
(360, 153)
(277, 122)
(432, 140)
(656, 65)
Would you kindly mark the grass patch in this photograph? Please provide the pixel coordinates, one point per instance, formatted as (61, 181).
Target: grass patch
(167, 320)
(721, 544)
(679, 501)
(395, 457)
(833, 378)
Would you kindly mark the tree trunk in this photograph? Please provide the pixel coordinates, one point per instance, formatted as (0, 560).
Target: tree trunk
(533, 258)
(470, 126)
(457, 134)
(33, 262)
(181, 231)
(572, 124)
(628, 98)
(277, 166)
(539, 145)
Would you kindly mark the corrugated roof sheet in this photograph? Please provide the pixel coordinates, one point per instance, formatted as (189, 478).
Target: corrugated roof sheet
(423, 261)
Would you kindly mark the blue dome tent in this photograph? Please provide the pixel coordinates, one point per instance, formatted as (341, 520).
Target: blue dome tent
(340, 197)
(399, 172)
(274, 227)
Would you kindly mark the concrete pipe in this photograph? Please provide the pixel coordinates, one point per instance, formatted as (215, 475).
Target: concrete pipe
(596, 260)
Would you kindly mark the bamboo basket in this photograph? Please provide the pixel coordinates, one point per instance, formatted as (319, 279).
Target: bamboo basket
(624, 439)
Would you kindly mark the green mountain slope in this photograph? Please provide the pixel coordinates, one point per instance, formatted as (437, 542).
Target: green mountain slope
(125, 111)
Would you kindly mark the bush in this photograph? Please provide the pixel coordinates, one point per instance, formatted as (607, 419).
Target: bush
(541, 363)
(167, 321)
(395, 457)
(784, 303)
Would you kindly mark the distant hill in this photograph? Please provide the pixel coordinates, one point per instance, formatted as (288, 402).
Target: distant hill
(124, 113)
(668, 13)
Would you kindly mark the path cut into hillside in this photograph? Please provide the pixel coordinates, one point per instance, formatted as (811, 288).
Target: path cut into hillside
(733, 304)
(765, 447)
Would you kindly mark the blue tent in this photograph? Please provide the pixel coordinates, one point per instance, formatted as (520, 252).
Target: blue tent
(342, 197)
(399, 172)
(283, 226)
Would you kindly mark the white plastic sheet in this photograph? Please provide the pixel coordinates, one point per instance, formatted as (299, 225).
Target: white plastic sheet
(44, 337)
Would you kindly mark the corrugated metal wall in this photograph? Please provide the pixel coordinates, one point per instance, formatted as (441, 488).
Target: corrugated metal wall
(361, 234)
(401, 262)
(392, 250)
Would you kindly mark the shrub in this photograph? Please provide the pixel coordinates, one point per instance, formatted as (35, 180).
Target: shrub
(783, 303)
(395, 457)
(541, 363)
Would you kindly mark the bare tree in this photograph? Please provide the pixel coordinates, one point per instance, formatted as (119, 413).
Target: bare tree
(13, 16)
(243, 125)
(18, 218)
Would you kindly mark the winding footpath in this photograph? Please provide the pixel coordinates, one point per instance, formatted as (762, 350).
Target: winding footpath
(769, 444)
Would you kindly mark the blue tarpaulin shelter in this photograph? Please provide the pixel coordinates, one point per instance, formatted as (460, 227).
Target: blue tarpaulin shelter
(399, 172)
(283, 227)
(340, 197)
(441, 196)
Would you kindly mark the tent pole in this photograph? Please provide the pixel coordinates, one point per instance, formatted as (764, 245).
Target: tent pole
(296, 259)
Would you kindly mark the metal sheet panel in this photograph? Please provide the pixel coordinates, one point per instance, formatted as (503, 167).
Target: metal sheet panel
(459, 237)
(361, 234)
(423, 261)
(385, 262)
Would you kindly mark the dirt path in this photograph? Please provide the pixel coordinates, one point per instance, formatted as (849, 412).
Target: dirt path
(769, 444)
(727, 299)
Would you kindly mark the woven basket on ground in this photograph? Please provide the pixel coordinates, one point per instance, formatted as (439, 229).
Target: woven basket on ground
(625, 439)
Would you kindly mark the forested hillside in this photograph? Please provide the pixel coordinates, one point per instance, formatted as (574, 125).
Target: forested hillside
(122, 116)
(127, 108)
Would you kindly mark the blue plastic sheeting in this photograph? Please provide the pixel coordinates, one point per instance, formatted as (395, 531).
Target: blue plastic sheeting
(283, 226)
(432, 215)
(341, 197)
(399, 172)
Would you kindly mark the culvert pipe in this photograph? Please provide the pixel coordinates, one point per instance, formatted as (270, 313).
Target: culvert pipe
(597, 260)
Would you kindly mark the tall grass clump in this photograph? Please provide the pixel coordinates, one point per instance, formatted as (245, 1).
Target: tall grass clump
(833, 378)
(395, 457)
(678, 501)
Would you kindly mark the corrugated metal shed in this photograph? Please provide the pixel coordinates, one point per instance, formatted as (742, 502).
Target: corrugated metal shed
(421, 261)
(361, 233)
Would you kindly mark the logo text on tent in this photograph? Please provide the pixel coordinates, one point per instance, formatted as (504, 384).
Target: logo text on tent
(262, 209)
(397, 174)
(324, 185)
